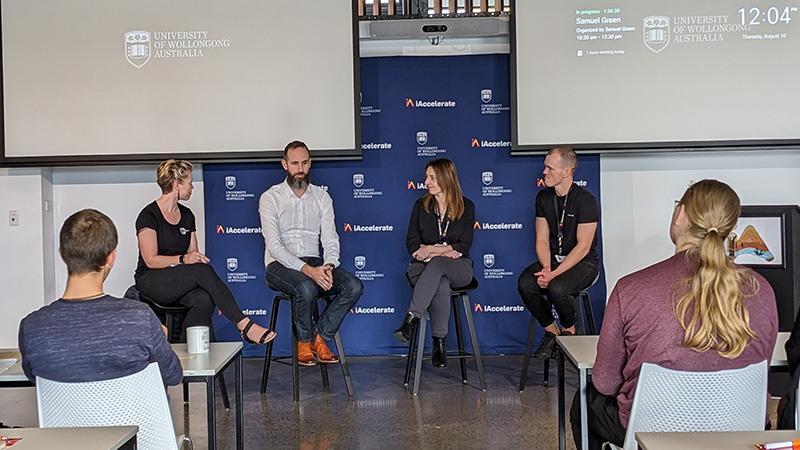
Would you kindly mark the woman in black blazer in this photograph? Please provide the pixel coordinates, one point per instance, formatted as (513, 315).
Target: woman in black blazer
(439, 239)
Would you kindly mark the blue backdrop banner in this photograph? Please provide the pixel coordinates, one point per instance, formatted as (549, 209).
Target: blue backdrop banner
(413, 109)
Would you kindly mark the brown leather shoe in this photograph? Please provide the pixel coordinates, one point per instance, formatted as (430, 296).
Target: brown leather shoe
(305, 357)
(322, 352)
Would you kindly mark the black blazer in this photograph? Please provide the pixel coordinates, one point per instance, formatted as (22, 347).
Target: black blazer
(424, 230)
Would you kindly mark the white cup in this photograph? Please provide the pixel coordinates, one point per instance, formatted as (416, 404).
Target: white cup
(197, 339)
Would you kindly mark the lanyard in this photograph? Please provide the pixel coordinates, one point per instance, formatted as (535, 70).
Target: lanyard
(439, 219)
(560, 221)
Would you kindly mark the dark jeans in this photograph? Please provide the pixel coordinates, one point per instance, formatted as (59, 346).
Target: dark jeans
(559, 292)
(195, 286)
(432, 282)
(304, 293)
(602, 412)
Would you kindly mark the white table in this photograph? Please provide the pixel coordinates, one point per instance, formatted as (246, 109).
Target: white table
(732, 440)
(94, 438)
(582, 351)
(203, 367)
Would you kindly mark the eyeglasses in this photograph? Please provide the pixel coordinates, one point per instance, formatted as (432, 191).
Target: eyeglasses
(677, 202)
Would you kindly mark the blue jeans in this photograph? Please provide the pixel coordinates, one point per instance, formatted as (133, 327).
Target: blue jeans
(304, 292)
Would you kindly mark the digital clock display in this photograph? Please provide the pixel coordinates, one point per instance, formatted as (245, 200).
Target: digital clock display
(773, 15)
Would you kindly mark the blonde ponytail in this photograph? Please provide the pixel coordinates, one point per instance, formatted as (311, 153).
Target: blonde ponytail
(712, 311)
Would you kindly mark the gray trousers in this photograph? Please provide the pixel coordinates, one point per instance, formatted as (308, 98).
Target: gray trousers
(432, 282)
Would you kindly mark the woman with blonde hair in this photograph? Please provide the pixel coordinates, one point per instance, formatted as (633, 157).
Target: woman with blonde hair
(696, 311)
(171, 267)
(439, 239)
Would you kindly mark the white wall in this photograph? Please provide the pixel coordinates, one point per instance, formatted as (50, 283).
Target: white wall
(31, 272)
(22, 247)
(638, 194)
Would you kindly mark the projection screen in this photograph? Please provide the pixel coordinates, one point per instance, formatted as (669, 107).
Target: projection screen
(208, 80)
(654, 75)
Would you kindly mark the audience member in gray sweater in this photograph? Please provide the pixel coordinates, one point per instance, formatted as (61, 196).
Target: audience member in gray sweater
(88, 335)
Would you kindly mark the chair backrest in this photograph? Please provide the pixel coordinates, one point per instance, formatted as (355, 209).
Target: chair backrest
(673, 400)
(138, 399)
(797, 409)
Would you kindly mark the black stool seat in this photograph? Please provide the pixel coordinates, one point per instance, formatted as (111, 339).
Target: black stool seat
(171, 313)
(586, 322)
(473, 284)
(268, 358)
(416, 345)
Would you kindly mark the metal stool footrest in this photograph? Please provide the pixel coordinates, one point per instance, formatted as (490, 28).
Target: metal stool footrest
(268, 358)
(416, 347)
(585, 321)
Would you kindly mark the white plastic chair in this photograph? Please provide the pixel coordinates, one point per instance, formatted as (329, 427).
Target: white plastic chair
(137, 399)
(672, 400)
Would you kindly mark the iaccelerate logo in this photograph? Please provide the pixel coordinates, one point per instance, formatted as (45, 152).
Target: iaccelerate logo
(498, 309)
(425, 150)
(372, 310)
(540, 183)
(237, 277)
(356, 228)
(360, 192)
(490, 272)
(360, 263)
(488, 190)
(232, 195)
(221, 229)
(376, 146)
(411, 103)
(414, 185)
(483, 143)
(487, 107)
(494, 226)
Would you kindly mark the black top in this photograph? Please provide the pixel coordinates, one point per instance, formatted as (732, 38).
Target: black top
(581, 208)
(173, 240)
(423, 228)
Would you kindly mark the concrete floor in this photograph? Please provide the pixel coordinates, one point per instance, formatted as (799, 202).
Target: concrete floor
(383, 414)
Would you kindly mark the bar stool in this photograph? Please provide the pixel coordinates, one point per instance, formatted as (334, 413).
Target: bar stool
(416, 347)
(583, 308)
(295, 366)
(172, 317)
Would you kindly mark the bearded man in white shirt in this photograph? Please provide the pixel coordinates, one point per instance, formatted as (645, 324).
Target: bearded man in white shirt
(296, 220)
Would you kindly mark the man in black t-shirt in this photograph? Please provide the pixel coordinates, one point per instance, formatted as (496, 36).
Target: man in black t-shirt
(566, 221)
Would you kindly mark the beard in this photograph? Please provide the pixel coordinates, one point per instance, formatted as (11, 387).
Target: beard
(297, 182)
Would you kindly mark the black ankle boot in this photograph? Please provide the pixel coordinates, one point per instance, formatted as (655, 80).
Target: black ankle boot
(439, 352)
(403, 334)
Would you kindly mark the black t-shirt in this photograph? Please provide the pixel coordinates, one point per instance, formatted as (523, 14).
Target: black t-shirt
(173, 240)
(581, 208)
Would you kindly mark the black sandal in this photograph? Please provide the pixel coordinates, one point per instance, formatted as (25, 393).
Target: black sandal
(268, 335)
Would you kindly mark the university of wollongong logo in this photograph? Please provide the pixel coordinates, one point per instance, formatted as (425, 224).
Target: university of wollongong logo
(137, 48)
(656, 33)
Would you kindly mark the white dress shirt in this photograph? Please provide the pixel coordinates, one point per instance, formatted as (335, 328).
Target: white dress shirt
(293, 227)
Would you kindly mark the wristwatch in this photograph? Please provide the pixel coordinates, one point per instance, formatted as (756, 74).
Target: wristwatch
(180, 259)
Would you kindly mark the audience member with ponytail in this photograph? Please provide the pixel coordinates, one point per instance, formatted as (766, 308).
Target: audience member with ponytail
(696, 311)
